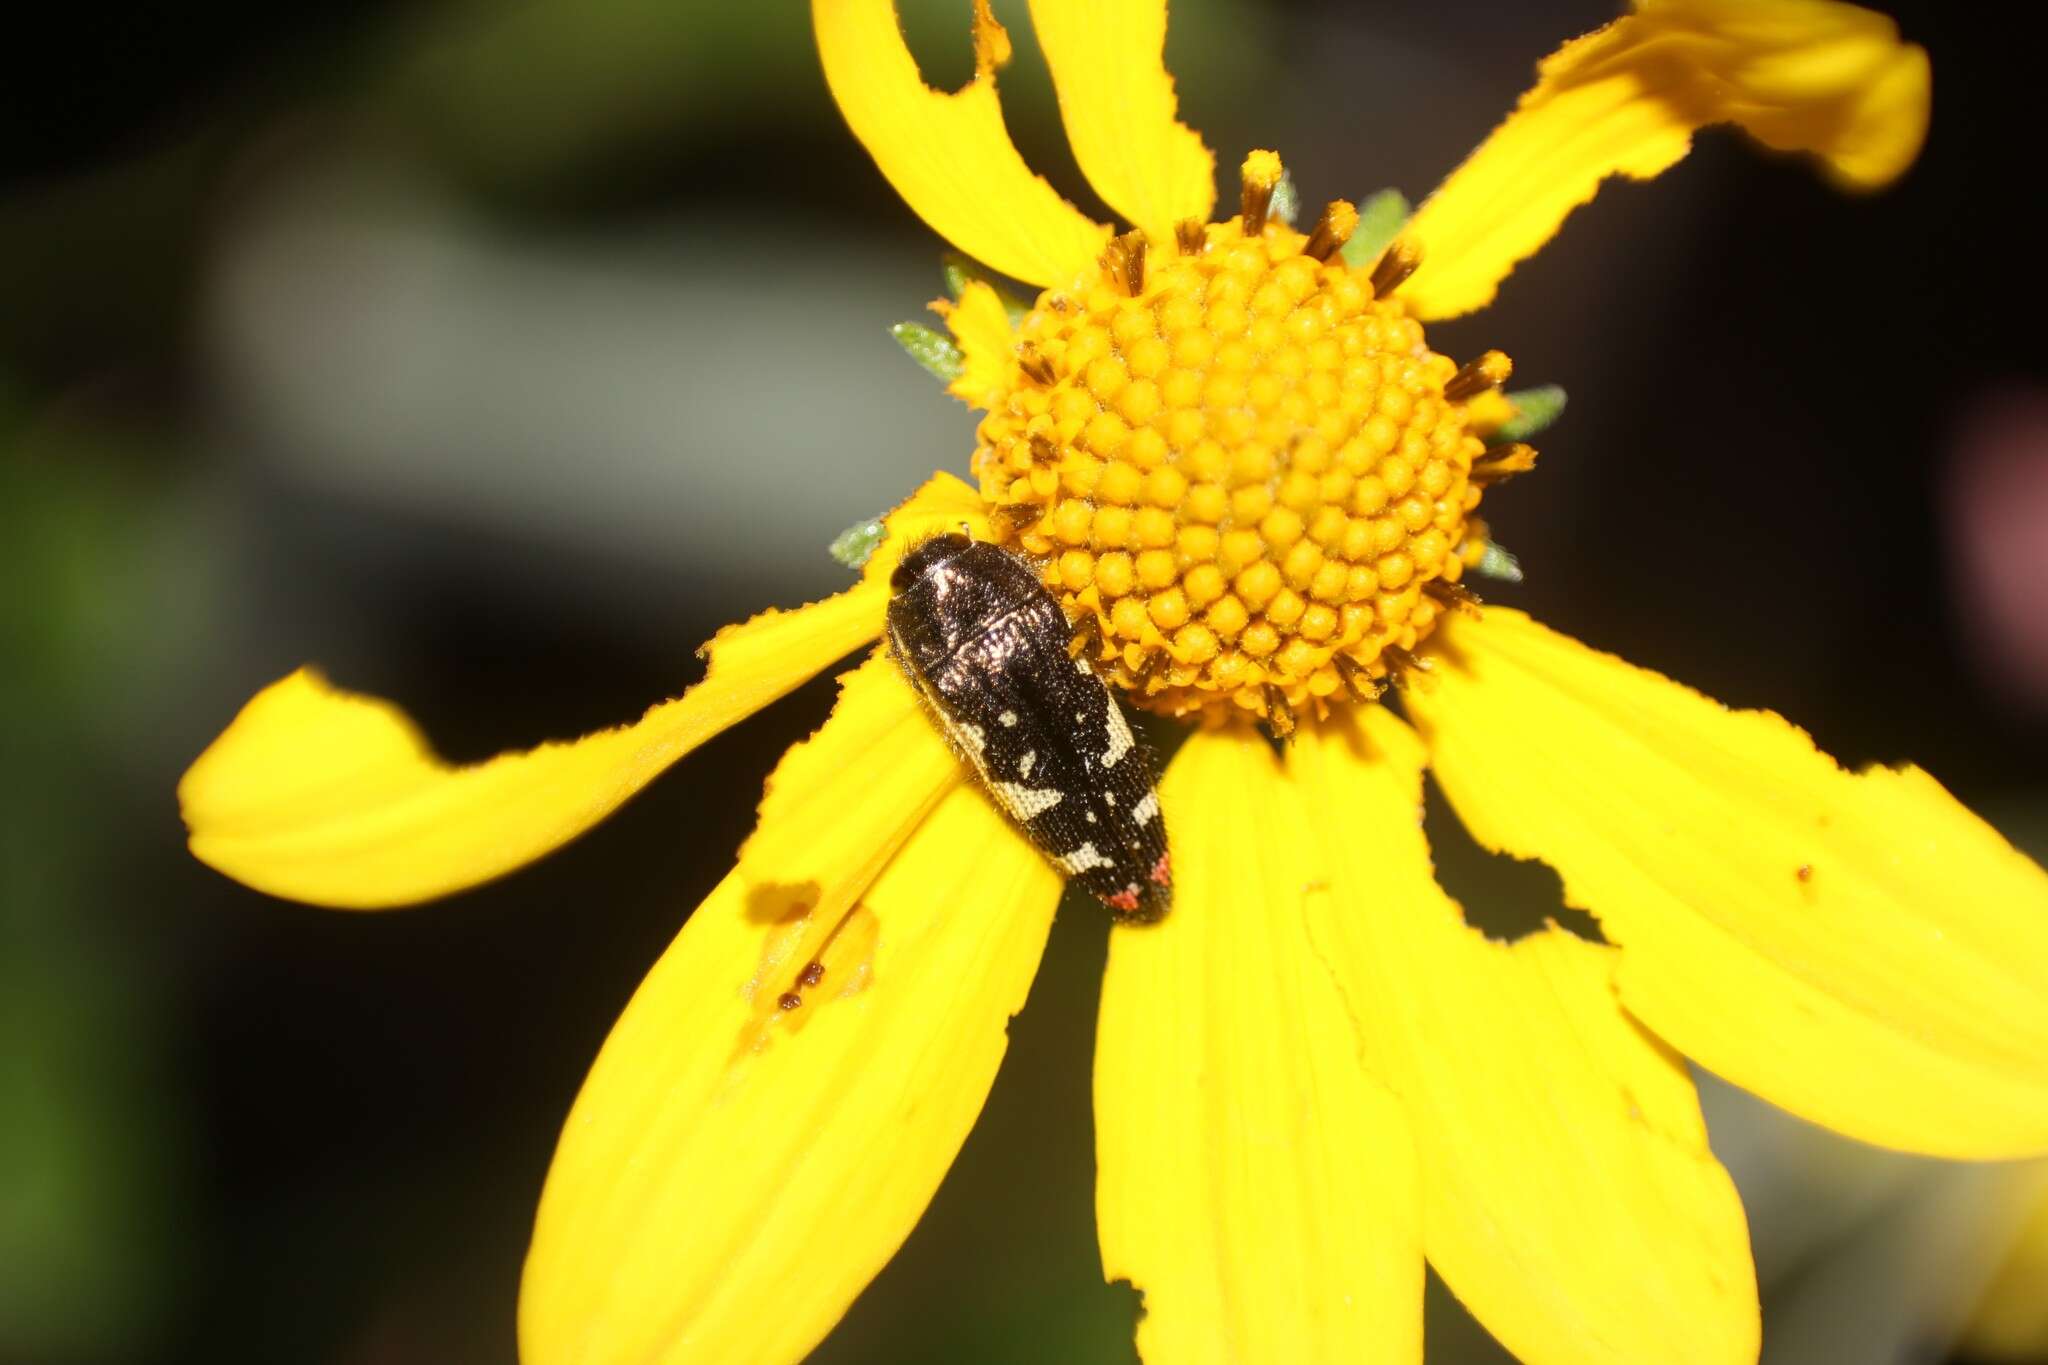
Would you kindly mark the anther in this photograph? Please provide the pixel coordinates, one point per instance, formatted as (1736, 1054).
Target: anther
(1124, 258)
(1020, 514)
(1358, 680)
(1191, 235)
(1087, 636)
(1456, 596)
(812, 974)
(1332, 230)
(1396, 264)
(1034, 364)
(1261, 174)
(1504, 462)
(1141, 681)
(788, 1000)
(1279, 715)
(1043, 451)
(1488, 371)
(1401, 662)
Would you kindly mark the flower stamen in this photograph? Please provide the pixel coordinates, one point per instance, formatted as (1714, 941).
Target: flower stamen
(1403, 662)
(1357, 681)
(1401, 259)
(1087, 641)
(1279, 715)
(1035, 366)
(1124, 259)
(1456, 596)
(1488, 370)
(1332, 230)
(1261, 176)
(1504, 462)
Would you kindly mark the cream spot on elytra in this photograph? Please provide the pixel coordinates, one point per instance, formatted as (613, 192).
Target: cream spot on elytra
(1083, 859)
(1120, 740)
(1026, 802)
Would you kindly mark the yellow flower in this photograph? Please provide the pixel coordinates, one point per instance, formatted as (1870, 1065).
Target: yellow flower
(1234, 459)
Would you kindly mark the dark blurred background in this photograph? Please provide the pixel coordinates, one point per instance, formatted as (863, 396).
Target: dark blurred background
(492, 355)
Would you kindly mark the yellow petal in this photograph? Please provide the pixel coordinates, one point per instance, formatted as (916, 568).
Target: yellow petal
(950, 156)
(981, 329)
(335, 798)
(2011, 1321)
(735, 1172)
(1797, 75)
(840, 804)
(1252, 1180)
(1108, 65)
(1859, 948)
(1487, 412)
(1569, 1196)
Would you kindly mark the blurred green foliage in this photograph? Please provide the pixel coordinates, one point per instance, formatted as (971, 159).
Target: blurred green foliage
(93, 1142)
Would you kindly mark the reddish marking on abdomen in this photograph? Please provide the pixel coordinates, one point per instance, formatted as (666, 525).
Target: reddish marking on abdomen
(1125, 900)
(1162, 871)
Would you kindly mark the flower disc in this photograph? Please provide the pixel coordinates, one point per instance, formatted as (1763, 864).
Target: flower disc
(1237, 469)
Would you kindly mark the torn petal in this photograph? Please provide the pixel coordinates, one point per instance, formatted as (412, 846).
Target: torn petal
(949, 155)
(1798, 75)
(758, 1136)
(1253, 1181)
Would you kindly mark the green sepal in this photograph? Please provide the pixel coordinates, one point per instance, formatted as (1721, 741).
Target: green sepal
(1499, 563)
(856, 544)
(1286, 202)
(1535, 409)
(933, 350)
(959, 271)
(1380, 219)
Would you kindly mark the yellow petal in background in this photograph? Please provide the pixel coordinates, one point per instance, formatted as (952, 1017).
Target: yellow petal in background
(1857, 948)
(981, 329)
(734, 1172)
(1116, 98)
(1253, 1181)
(2010, 1322)
(1797, 75)
(1570, 1198)
(841, 803)
(949, 155)
(335, 798)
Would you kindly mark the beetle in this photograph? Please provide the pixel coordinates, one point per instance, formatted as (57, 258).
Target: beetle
(985, 645)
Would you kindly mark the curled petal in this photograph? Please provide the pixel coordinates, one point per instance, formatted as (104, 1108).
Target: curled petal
(335, 798)
(738, 1167)
(1569, 1196)
(1116, 98)
(949, 155)
(1797, 75)
(841, 803)
(1855, 947)
(1253, 1180)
